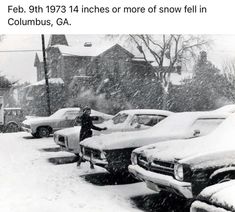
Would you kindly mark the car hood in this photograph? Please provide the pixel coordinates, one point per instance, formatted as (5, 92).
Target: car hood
(122, 140)
(220, 195)
(68, 131)
(171, 150)
(186, 150)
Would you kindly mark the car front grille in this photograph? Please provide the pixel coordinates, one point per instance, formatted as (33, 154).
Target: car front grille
(143, 162)
(162, 167)
(156, 166)
(88, 152)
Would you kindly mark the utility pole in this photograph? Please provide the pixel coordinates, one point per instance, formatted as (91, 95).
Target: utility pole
(46, 76)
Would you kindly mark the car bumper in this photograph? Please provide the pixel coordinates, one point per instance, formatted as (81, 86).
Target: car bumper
(27, 129)
(96, 161)
(158, 182)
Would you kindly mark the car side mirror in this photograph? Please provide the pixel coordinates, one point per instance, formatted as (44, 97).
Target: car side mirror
(196, 133)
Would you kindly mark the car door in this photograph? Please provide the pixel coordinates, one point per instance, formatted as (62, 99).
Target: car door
(68, 119)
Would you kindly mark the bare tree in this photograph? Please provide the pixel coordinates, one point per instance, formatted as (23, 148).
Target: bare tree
(169, 52)
(229, 70)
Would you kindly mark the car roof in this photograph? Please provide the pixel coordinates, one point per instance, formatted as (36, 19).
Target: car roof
(71, 108)
(147, 111)
(202, 114)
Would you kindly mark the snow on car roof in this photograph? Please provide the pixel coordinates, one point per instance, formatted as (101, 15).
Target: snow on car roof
(147, 111)
(184, 119)
(220, 194)
(70, 108)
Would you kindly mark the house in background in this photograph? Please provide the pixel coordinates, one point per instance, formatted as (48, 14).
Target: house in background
(94, 73)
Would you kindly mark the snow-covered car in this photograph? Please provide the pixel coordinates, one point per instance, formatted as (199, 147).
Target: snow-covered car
(216, 198)
(44, 126)
(226, 108)
(113, 152)
(185, 167)
(126, 120)
(68, 139)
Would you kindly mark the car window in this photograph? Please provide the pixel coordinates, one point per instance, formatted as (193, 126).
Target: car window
(57, 114)
(147, 119)
(71, 114)
(120, 118)
(206, 125)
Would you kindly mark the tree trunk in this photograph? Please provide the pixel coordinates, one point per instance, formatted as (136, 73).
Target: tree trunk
(164, 98)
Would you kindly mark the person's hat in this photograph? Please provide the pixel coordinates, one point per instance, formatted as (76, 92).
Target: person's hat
(86, 108)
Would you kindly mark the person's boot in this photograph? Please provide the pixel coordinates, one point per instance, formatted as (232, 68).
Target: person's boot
(92, 165)
(79, 161)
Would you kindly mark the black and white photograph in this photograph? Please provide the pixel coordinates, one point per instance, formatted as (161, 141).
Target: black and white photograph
(117, 122)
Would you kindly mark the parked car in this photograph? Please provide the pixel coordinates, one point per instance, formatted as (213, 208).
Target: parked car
(44, 126)
(12, 119)
(113, 152)
(126, 120)
(185, 167)
(216, 198)
(68, 139)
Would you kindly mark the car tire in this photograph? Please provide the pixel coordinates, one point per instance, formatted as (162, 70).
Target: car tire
(43, 132)
(35, 135)
(11, 127)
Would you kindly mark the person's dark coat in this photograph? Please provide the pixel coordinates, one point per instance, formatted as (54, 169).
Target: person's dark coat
(87, 126)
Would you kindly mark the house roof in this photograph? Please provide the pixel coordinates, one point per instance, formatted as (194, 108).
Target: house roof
(51, 81)
(81, 50)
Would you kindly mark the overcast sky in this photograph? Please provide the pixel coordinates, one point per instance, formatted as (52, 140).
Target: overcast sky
(19, 65)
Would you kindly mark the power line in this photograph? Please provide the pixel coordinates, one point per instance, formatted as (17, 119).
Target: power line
(24, 50)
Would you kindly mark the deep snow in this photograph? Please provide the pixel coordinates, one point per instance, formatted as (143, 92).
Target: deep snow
(28, 182)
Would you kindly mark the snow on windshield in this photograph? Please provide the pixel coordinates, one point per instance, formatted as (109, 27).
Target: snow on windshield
(58, 114)
(119, 118)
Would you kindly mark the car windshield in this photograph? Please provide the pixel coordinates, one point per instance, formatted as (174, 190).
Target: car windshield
(176, 122)
(119, 118)
(58, 114)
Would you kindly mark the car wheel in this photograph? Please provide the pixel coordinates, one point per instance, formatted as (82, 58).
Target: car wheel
(43, 132)
(11, 127)
(35, 135)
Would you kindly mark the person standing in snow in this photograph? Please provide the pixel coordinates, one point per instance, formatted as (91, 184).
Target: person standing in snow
(86, 128)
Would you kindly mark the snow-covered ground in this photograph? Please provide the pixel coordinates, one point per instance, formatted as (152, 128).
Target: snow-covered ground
(29, 182)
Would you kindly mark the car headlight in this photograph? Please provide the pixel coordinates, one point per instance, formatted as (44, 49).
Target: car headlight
(134, 158)
(66, 141)
(179, 172)
(55, 136)
(103, 155)
(82, 150)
